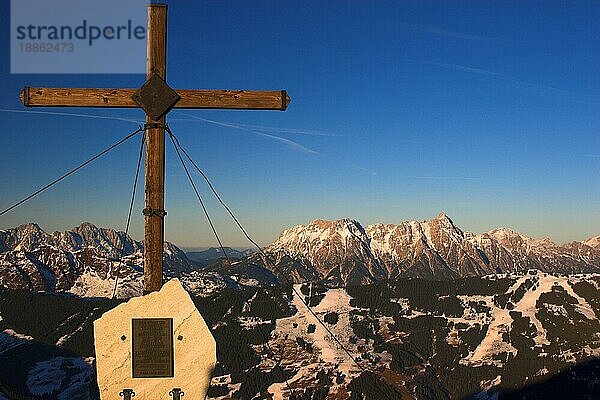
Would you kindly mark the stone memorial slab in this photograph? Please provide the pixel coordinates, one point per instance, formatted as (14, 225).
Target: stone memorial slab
(152, 345)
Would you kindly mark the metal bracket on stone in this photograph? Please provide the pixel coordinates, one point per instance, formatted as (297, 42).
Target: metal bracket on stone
(176, 393)
(127, 394)
(148, 212)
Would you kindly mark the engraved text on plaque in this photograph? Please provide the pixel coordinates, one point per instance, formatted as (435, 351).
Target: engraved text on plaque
(152, 347)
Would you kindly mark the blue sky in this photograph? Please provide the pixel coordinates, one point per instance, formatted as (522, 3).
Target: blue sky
(489, 111)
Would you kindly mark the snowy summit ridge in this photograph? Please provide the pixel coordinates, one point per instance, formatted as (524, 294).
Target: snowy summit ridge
(343, 251)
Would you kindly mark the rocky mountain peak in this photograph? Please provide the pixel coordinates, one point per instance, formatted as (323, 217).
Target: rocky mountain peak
(87, 226)
(29, 227)
(508, 234)
(320, 230)
(28, 230)
(70, 260)
(87, 229)
(24, 237)
(443, 221)
(544, 241)
(335, 224)
(593, 242)
(436, 249)
(443, 217)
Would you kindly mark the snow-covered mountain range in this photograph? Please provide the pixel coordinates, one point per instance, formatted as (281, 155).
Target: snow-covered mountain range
(344, 252)
(527, 328)
(86, 260)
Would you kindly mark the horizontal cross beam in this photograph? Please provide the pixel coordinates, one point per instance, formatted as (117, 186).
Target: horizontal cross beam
(98, 97)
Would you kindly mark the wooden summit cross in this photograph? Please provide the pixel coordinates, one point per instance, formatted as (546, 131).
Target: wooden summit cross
(156, 346)
(156, 98)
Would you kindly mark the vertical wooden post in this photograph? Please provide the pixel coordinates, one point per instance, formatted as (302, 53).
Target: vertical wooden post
(155, 155)
(149, 98)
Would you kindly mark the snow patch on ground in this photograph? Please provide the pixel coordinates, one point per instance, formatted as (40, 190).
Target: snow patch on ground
(67, 378)
(486, 386)
(331, 355)
(203, 284)
(89, 284)
(63, 339)
(493, 342)
(10, 339)
(500, 324)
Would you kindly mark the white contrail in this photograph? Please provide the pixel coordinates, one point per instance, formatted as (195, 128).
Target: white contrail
(449, 33)
(509, 78)
(307, 132)
(464, 68)
(464, 178)
(267, 129)
(71, 115)
(288, 142)
(361, 168)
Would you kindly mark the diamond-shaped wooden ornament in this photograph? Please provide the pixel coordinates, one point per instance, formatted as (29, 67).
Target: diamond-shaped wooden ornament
(156, 97)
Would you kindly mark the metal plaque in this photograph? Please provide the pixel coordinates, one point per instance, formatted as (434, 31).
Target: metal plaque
(156, 97)
(152, 348)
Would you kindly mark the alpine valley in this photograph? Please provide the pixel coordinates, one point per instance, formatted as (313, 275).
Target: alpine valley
(425, 310)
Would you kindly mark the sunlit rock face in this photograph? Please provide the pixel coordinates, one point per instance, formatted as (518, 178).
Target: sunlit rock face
(85, 261)
(344, 252)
